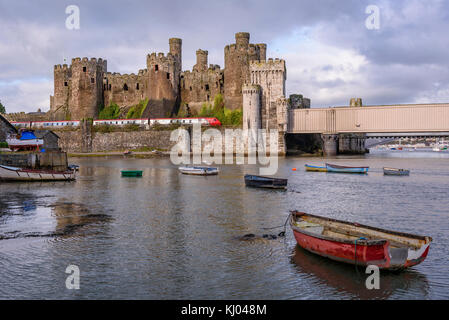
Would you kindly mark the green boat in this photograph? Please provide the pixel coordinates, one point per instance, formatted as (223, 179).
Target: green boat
(131, 173)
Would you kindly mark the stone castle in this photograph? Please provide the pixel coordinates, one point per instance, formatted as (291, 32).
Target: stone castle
(84, 87)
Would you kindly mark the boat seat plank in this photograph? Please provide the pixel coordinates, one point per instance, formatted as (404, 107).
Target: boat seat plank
(396, 240)
(352, 235)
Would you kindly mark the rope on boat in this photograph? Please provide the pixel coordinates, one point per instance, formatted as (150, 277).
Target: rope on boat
(282, 233)
(282, 225)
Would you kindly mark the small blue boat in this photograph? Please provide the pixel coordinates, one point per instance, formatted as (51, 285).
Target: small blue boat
(315, 168)
(345, 169)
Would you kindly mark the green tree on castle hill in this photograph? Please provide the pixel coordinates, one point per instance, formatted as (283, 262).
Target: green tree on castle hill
(2, 108)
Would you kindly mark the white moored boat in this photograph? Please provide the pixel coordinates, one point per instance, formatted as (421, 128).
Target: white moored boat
(20, 174)
(199, 171)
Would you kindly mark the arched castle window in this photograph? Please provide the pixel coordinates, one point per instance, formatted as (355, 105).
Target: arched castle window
(84, 69)
(156, 67)
(168, 75)
(92, 80)
(125, 87)
(65, 84)
(206, 87)
(137, 86)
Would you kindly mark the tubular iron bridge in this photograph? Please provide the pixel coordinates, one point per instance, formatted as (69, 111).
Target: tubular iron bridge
(412, 120)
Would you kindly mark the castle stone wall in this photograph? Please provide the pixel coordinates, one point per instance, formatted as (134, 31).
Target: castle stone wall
(125, 90)
(71, 141)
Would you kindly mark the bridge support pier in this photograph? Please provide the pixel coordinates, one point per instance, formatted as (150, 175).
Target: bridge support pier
(330, 144)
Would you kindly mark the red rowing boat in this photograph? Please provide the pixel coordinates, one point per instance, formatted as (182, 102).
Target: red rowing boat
(358, 244)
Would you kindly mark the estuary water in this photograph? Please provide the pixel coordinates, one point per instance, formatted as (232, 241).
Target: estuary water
(172, 236)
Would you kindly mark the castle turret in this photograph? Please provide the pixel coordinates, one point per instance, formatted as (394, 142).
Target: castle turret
(201, 60)
(176, 51)
(242, 40)
(355, 102)
(263, 51)
(251, 107)
(62, 79)
(175, 46)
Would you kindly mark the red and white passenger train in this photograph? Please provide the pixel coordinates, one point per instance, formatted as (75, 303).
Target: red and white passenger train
(118, 122)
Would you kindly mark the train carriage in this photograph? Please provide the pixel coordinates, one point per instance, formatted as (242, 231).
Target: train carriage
(118, 122)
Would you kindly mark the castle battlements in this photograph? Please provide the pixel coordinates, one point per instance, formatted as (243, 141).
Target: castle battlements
(160, 57)
(270, 64)
(248, 88)
(63, 67)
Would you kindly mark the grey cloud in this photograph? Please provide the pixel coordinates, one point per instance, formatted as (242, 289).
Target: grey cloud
(33, 38)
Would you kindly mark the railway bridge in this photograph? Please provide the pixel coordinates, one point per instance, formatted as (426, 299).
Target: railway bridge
(359, 123)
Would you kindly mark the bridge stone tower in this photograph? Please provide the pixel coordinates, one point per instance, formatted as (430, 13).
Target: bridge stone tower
(352, 143)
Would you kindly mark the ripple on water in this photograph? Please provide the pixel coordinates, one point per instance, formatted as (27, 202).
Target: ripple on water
(172, 236)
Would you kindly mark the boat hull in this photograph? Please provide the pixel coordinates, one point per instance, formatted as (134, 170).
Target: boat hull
(199, 171)
(343, 169)
(265, 182)
(315, 168)
(364, 252)
(395, 172)
(17, 174)
(130, 173)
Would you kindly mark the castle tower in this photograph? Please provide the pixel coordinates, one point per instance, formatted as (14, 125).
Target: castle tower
(164, 73)
(271, 76)
(236, 71)
(59, 102)
(86, 87)
(251, 107)
(201, 60)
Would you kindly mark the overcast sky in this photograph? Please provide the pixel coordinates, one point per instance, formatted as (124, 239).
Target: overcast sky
(330, 54)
